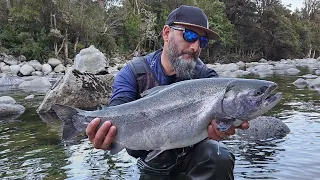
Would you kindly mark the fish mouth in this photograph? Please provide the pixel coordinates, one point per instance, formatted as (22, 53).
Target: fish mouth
(270, 99)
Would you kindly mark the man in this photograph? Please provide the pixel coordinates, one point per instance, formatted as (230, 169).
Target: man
(185, 33)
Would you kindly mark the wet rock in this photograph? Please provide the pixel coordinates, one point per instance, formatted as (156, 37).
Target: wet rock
(264, 127)
(31, 96)
(315, 84)
(7, 100)
(10, 81)
(81, 90)
(293, 71)
(11, 111)
(309, 76)
(41, 84)
(301, 83)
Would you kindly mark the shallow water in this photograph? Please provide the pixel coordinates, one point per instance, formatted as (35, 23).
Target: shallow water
(30, 147)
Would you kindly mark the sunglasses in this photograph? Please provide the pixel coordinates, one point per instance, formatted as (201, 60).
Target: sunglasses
(192, 36)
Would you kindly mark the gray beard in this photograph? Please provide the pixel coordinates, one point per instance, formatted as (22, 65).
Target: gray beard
(184, 68)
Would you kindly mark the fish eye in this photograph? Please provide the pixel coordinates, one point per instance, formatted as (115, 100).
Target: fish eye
(261, 90)
(258, 93)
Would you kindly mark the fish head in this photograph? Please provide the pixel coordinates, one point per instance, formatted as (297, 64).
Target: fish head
(246, 99)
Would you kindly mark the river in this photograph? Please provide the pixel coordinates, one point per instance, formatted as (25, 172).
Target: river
(31, 148)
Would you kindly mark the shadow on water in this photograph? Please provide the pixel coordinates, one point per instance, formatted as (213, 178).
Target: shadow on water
(31, 146)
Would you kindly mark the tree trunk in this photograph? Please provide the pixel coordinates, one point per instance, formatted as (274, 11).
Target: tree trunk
(76, 45)
(8, 5)
(309, 52)
(66, 45)
(313, 54)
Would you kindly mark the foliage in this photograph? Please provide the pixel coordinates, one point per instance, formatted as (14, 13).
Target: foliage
(249, 29)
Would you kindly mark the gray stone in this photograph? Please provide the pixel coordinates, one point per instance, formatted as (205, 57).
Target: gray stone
(315, 84)
(60, 68)
(37, 73)
(46, 69)
(40, 84)
(10, 111)
(10, 81)
(10, 60)
(22, 58)
(263, 61)
(7, 100)
(91, 60)
(54, 62)
(301, 83)
(14, 69)
(264, 127)
(35, 64)
(2, 64)
(309, 76)
(81, 90)
(317, 72)
(31, 96)
(6, 69)
(293, 71)
(26, 70)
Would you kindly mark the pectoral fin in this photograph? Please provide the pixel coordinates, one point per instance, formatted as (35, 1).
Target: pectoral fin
(153, 154)
(115, 148)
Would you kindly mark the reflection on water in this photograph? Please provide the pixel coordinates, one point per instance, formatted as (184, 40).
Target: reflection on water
(31, 148)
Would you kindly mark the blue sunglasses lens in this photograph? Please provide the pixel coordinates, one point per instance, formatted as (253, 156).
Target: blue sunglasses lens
(192, 36)
(204, 42)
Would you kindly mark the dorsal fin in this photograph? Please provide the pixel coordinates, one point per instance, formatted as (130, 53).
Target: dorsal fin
(153, 91)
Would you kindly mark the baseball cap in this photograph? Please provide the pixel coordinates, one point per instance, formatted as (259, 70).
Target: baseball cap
(191, 16)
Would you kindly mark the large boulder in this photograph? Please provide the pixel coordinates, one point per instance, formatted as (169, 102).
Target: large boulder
(14, 69)
(35, 64)
(7, 100)
(91, 60)
(81, 90)
(11, 111)
(46, 69)
(54, 62)
(263, 128)
(40, 84)
(60, 68)
(26, 70)
(7, 80)
(10, 60)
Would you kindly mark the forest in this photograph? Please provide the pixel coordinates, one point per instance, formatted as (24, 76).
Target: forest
(249, 29)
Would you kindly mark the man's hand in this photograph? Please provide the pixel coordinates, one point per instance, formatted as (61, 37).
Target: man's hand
(104, 136)
(215, 134)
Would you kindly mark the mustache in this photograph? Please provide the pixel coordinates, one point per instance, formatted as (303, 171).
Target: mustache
(191, 53)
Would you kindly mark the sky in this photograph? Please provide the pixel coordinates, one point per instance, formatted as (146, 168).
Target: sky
(294, 3)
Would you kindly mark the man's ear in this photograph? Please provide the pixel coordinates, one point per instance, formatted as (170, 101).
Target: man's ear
(165, 33)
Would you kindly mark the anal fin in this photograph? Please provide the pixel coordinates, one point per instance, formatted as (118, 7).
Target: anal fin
(153, 154)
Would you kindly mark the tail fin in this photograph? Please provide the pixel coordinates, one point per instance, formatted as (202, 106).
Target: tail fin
(69, 117)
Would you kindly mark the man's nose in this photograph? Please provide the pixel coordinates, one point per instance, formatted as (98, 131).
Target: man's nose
(195, 46)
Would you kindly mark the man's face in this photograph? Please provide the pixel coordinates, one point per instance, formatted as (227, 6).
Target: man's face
(182, 54)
